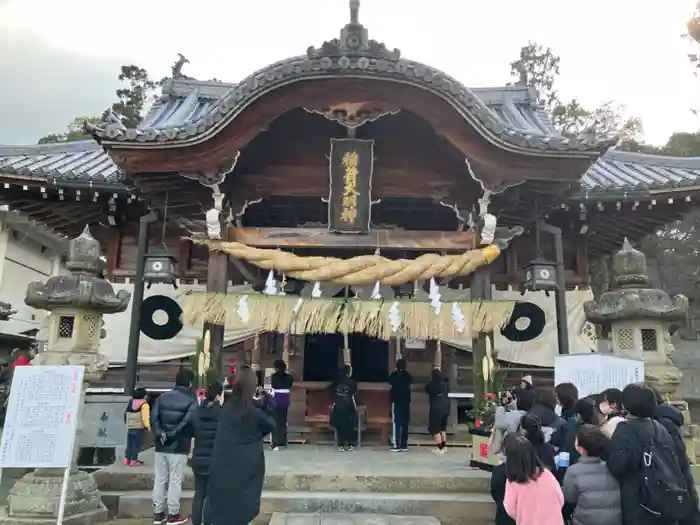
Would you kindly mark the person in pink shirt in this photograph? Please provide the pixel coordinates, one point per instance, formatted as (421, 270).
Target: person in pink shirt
(533, 495)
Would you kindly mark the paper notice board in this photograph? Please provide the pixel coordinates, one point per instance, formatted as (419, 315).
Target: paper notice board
(42, 416)
(593, 373)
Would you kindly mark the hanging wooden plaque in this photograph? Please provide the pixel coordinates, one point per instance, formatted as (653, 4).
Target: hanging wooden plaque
(350, 198)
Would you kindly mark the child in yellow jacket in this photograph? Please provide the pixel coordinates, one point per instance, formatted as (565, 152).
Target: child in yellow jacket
(138, 420)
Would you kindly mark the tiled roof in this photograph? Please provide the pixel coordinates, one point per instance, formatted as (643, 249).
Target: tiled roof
(80, 162)
(185, 116)
(615, 171)
(626, 171)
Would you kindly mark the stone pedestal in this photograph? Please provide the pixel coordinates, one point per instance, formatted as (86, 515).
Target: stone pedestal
(76, 303)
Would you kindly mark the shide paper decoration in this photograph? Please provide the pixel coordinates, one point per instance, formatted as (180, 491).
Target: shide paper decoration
(375, 318)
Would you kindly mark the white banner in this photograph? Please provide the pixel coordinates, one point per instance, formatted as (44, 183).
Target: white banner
(531, 339)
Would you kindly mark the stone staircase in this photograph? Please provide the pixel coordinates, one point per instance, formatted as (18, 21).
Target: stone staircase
(453, 495)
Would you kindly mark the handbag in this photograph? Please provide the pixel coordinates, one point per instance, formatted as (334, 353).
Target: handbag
(496, 440)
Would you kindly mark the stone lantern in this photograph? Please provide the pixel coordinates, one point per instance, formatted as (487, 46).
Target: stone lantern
(639, 317)
(76, 304)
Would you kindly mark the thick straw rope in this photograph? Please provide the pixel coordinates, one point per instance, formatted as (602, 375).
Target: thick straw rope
(358, 270)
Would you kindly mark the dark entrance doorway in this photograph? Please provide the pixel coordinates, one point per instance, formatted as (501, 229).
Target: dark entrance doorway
(369, 357)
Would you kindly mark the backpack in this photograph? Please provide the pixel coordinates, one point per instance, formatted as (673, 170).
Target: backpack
(664, 491)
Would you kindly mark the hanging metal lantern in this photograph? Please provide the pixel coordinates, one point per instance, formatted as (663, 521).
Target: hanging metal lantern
(540, 275)
(159, 268)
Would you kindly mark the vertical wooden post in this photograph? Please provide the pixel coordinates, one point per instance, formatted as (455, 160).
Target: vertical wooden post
(217, 282)
(452, 377)
(480, 291)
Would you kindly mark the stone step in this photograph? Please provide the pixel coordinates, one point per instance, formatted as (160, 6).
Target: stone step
(449, 509)
(462, 481)
(281, 518)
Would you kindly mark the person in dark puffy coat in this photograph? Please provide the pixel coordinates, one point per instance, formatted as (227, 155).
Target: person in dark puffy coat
(543, 409)
(672, 420)
(588, 485)
(171, 424)
(206, 426)
(626, 448)
(237, 468)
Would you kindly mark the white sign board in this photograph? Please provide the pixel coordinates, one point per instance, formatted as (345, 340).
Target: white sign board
(593, 373)
(42, 416)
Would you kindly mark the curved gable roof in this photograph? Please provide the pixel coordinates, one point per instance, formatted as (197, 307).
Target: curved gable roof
(181, 118)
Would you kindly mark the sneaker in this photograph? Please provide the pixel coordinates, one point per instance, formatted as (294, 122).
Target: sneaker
(342, 449)
(126, 462)
(177, 519)
(403, 449)
(439, 451)
(133, 464)
(159, 518)
(394, 449)
(349, 449)
(275, 449)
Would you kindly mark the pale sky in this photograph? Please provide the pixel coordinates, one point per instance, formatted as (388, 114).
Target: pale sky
(59, 59)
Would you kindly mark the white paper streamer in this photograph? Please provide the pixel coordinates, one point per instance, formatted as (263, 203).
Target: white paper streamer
(270, 284)
(242, 310)
(434, 296)
(376, 295)
(395, 316)
(316, 290)
(458, 318)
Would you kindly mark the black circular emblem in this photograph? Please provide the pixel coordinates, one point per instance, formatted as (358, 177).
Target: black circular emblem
(160, 332)
(526, 323)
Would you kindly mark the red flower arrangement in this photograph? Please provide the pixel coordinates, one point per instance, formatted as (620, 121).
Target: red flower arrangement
(485, 412)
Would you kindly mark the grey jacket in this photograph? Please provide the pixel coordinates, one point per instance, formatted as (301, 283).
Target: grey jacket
(596, 494)
(508, 421)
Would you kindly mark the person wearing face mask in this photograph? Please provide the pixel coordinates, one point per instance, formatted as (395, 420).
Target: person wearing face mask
(611, 407)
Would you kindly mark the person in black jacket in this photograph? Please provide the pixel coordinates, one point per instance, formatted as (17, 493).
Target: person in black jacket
(344, 409)
(531, 428)
(627, 446)
(237, 468)
(281, 383)
(672, 420)
(206, 425)
(438, 408)
(552, 424)
(400, 381)
(171, 424)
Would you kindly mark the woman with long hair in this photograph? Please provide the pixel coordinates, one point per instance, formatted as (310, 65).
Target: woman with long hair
(531, 428)
(438, 408)
(237, 468)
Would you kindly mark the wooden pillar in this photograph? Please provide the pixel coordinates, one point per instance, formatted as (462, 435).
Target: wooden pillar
(452, 377)
(217, 282)
(480, 291)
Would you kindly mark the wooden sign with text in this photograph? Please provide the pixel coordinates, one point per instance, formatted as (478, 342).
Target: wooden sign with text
(350, 198)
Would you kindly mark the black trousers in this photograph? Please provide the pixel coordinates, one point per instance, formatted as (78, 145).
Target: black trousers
(279, 436)
(345, 423)
(400, 415)
(200, 509)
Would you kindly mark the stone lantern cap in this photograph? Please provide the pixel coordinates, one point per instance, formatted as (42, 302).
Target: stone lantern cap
(84, 288)
(633, 298)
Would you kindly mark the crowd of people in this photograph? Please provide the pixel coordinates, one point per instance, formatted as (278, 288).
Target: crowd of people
(615, 458)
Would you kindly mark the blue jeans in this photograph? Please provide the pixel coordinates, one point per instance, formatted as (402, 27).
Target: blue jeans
(134, 439)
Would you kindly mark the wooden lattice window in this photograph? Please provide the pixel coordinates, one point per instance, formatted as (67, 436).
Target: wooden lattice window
(650, 341)
(65, 326)
(625, 339)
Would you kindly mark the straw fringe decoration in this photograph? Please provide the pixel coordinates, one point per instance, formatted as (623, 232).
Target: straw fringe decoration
(323, 315)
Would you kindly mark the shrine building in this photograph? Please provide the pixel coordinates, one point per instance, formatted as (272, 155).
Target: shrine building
(348, 150)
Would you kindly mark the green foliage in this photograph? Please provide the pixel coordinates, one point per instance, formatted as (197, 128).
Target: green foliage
(74, 131)
(139, 91)
(539, 68)
(133, 99)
